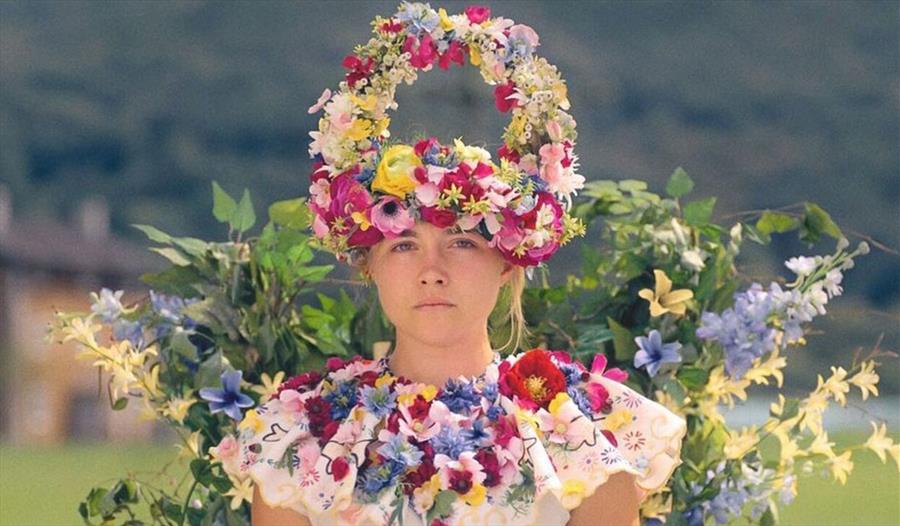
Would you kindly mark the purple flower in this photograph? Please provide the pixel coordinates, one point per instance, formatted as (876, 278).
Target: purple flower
(653, 352)
(230, 398)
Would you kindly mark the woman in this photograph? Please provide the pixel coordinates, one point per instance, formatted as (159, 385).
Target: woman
(438, 287)
(443, 430)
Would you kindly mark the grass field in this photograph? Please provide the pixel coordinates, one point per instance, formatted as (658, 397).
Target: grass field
(43, 487)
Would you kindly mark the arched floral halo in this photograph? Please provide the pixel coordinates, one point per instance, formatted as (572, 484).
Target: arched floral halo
(364, 189)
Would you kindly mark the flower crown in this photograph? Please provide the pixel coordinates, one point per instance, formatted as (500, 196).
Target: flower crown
(364, 189)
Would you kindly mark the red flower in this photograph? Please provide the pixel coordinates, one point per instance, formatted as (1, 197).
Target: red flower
(460, 481)
(454, 53)
(339, 468)
(504, 152)
(424, 145)
(437, 217)
(535, 378)
(319, 411)
(359, 69)
(301, 382)
(478, 13)
(419, 408)
(327, 432)
(420, 476)
(505, 430)
(391, 27)
(422, 53)
(501, 92)
(488, 460)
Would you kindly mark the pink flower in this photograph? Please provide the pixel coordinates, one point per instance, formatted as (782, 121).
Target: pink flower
(554, 130)
(437, 217)
(501, 94)
(478, 13)
(525, 34)
(291, 401)
(390, 217)
(422, 53)
(421, 429)
(452, 472)
(598, 366)
(359, 69)
(321, 102)
(227, 448)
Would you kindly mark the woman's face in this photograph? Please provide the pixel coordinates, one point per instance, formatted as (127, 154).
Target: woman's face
(429, 264)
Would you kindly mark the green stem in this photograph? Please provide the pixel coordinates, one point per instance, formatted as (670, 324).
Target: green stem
(187, 501)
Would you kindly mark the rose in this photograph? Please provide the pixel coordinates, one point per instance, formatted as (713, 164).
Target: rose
(478, 13)
(394, 175)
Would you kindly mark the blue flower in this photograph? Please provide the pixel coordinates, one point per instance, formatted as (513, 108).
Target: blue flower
(742, 330)
(451, 443)
(577, 395)
(728, 503)
(694, 516)
(490, 391)
(477, 434)
(108, 304)
(494, 412)
(653, 352)
(459, 396)
(571, 372)
(343, 397)
(419, 16)
(379, 401)
(398, 449)
(229, 398)
(132, 331)
(379, 476)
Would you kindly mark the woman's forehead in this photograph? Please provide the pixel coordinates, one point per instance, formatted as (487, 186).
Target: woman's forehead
(426, 228)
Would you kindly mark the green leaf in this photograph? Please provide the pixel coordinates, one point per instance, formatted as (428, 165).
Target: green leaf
(693, 378)
(679, 183)
(768, 518)
(182, 345)
(776, 222)
(224, 205)
(632, 185)
(443, 505)
(623, 340)
(699, 212)
(120, 404)
(244, 217)
(202, 471)
(173, 255)
(291, 213)
(816, 222)
(154, 234)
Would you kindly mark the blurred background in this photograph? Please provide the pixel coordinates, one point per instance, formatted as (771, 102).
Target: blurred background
(113, 113)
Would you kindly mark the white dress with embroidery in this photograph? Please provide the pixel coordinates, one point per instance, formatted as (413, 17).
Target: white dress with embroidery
(522, 444)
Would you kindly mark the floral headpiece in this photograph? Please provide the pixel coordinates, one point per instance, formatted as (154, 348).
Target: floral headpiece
(365, 189)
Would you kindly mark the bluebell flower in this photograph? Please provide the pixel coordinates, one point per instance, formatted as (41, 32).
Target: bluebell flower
(741, 330)
(451, 443)
(107, 305)
(477, 434)
(229, 399)
(379, 401)
(459, 396)
(398, 449)
(495, 412)
(490, 391)
(653, 352)
(343, 398)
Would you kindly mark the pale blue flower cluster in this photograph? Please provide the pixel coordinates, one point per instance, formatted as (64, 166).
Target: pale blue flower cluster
(459, 396)
(398, 449)
(379, 401)
(419, 16)
(451, 442)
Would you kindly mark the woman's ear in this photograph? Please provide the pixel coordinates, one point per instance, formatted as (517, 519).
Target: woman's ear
(507, 272)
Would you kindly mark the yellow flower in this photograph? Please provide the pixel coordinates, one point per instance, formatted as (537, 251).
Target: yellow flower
(879, 442)
(81, 330)
(269, 385)
(366, 104)
(148, 412)
(761, 371)
(151, 382)
(724, 388)
(664, 299)
(360, 219)
(557, 403)
(359, 129)
(739, 443)
(177, 409)
(251, 421)
(866, 379)
(474, 56)
(821, 446)
(841, 466)
(836, 385)
(618, 419)
(191, 446)
(476, 495)
(394, 175)
(240, 492)
(381, 126)
(470, 153)
(573, 492)
(446, 24)
(385, 379)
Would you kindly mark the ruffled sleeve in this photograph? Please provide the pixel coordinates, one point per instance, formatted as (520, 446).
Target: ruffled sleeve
(276, 449)
(596, 428)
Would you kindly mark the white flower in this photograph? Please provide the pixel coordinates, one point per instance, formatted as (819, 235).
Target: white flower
(693, 259)
(832, 282)
(801, 265)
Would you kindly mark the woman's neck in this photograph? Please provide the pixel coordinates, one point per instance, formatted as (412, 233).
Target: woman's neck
(433, 364)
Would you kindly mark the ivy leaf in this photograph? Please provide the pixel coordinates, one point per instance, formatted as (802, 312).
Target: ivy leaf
(623, 341)
(775, 222)
(224, 205)
(816, 222)
(244, 217)
(290, 213)
(680, 183)
(699, 212)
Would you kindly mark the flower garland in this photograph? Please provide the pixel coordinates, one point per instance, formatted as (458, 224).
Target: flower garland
(364, 190)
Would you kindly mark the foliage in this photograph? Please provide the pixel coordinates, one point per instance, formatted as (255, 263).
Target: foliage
(660, 271)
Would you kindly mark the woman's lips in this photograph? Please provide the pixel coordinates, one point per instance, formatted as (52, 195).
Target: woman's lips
(434, 306)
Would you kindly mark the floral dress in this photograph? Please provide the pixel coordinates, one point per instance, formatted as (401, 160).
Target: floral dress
(523, 443)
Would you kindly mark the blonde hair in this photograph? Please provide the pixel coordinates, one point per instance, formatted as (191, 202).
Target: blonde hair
(507, 315)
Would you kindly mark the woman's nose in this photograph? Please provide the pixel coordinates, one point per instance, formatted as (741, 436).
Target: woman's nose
(432, 270)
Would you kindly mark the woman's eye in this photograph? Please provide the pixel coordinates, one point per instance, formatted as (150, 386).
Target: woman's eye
(395, 247)
(467, 242)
